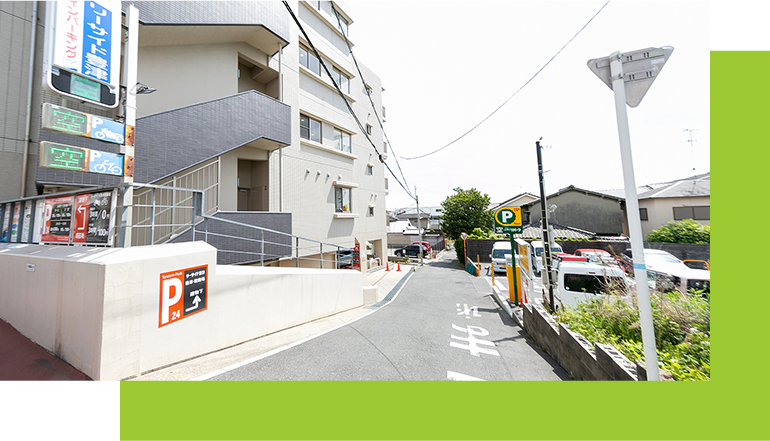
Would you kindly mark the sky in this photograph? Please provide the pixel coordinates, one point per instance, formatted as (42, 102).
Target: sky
(447, 65)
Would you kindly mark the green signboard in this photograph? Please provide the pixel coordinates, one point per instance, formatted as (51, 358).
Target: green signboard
(508, 220)
(65, 120)
(68, 157)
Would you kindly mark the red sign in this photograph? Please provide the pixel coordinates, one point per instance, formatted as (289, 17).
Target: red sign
(357, 256)
(57, 219)
(182, 293)
(82, 202)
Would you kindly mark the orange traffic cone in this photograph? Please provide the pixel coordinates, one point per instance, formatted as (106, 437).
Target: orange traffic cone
(399, 266)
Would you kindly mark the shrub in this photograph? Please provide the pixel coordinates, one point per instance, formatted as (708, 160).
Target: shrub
(685, 231)
(682, 324)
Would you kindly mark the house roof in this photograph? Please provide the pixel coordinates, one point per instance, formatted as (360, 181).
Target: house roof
(535, 231)
(580, 190)
(648, 188)
(506, 203)
(680, 189)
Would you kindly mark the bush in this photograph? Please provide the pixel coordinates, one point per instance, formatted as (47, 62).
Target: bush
(685, 231)
(682, 324)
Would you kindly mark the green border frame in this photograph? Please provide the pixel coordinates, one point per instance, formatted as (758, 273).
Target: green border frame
(452, 410)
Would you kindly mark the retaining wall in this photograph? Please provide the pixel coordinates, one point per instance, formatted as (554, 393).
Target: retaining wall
(99, 309)
(583, 360)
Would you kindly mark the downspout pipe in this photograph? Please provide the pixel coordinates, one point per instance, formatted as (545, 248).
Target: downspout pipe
(28, 124)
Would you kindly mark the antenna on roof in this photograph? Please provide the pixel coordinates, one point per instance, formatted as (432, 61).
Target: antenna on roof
(692, 147)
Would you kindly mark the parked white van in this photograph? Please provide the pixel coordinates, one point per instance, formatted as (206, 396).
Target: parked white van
(499, 251)
(583, 281)
(537, 251)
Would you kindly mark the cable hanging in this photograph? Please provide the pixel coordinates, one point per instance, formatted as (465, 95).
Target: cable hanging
(342, 95)
(516, 93)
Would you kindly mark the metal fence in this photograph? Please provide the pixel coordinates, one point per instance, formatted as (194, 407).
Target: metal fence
(164, 214)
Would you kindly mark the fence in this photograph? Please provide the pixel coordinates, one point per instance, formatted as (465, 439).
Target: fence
(397, 241)
(163, 214)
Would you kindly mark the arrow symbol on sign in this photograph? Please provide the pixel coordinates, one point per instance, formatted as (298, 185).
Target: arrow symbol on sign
(195, 301)
(82, 209)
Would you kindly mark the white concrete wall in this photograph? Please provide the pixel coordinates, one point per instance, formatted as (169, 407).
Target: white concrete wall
(98, 309)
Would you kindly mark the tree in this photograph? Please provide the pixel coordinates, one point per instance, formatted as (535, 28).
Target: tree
(464, 211)
(685, 231)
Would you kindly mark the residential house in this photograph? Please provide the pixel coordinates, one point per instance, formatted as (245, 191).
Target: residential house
(581, 209)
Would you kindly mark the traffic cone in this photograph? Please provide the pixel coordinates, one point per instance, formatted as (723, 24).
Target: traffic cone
(387, 266)
(399, 266)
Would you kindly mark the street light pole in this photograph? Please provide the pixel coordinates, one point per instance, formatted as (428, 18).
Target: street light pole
(419, 231)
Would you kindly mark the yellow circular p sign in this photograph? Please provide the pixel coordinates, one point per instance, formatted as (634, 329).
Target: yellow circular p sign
(508, 220)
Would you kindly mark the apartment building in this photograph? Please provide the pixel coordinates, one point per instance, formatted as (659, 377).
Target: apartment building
(242, 108)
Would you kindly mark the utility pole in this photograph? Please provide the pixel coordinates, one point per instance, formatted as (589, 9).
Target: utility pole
(419, 231)
(546, 276)
(130, 77)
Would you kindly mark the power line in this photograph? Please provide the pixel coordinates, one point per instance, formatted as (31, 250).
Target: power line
(342, 95)
(374, 108)
(516, 93)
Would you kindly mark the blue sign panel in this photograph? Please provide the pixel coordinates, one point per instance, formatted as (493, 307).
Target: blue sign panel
(107, 130)
(97, 41)
(105, 163)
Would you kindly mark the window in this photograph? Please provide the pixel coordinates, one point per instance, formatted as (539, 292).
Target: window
(343, 24)
(342, 140)
(368, 129)
(643, 214)
(695, 213)
(590, 284)
(342, 200)
(309, 128)
(309, 60)
(371, 211)
(341, 79)
(369, 169)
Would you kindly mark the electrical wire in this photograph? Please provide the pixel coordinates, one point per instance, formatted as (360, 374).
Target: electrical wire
(361, 75)
(516, 93)
(342, 95)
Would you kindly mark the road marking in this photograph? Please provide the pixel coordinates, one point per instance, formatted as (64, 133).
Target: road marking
(467, 311)
(473, 342)
(461, 377)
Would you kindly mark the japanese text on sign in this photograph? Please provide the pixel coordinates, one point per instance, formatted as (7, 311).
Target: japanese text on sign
(182, 293)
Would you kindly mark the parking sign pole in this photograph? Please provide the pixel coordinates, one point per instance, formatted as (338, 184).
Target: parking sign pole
(634, 223)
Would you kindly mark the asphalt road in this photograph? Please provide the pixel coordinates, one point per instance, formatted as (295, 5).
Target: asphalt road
(443, 325)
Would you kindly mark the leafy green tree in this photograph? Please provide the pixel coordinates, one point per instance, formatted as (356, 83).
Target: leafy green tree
(684, 231)
(464, 211)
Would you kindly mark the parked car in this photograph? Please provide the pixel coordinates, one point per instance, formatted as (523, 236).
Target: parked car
(499, 251)
(345, 258)
(666, 272)
(598, 256)
(697, 264)
(412, 251)
(583, 281)
(537, 259)
(427, 245)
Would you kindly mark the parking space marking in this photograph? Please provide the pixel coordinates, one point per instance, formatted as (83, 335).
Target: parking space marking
(473, 342)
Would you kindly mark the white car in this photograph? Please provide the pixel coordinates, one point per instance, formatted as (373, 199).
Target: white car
(582, 282)
(665, 272)
(537, 258)
(499, 251)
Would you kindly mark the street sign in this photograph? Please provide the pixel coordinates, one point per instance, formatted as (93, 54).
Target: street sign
(182, 293)
(77, 123)
(508, 220)
(82, 50)
(93, 216)
(640, 68)
(80, 159)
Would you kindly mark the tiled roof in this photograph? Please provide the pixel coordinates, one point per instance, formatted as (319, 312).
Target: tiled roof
(535, 231)
(680, 189)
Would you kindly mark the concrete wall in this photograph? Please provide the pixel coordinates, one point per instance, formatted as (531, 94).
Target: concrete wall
(583, 360)
(98, 309)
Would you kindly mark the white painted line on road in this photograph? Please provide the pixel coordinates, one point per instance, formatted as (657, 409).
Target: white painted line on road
(501, 300)
(289, 346)
(461, 377)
